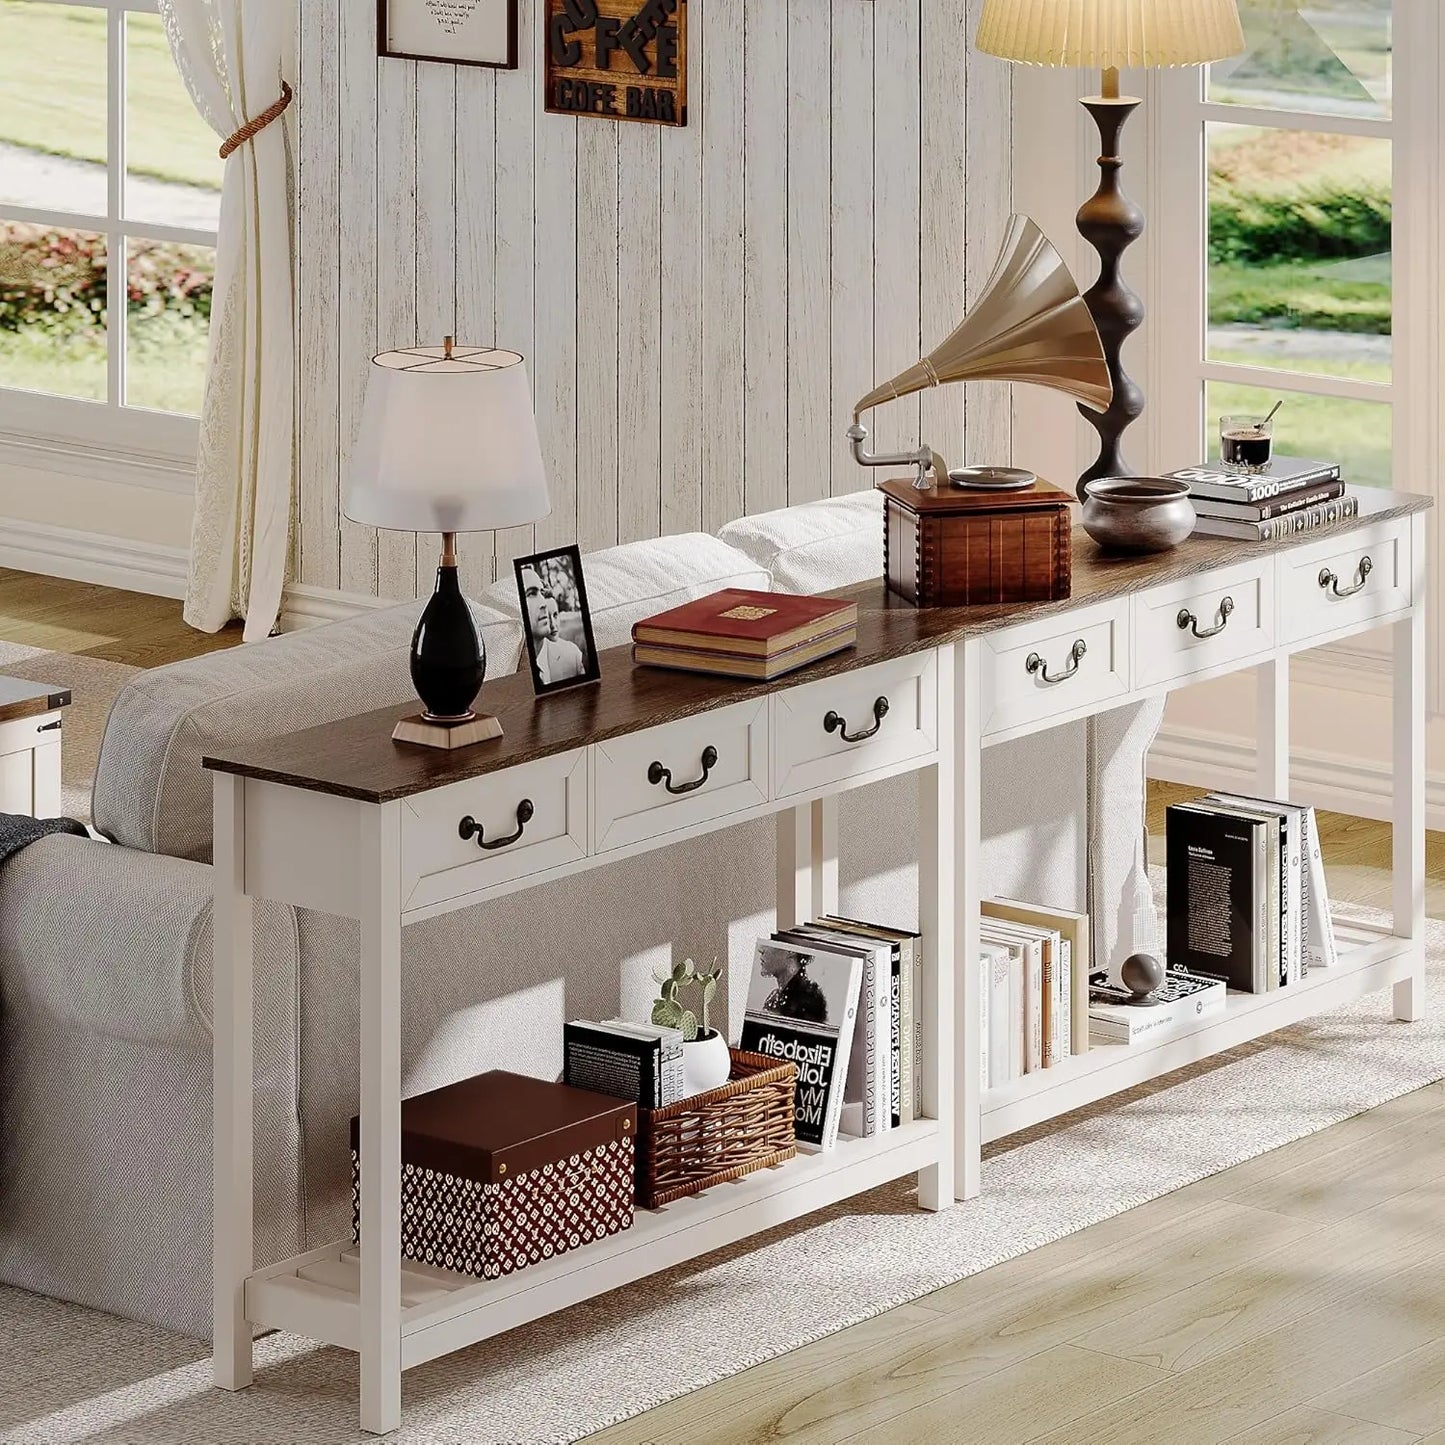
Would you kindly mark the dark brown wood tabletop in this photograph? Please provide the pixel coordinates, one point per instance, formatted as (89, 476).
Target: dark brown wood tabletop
(19, 698)
(356, 757)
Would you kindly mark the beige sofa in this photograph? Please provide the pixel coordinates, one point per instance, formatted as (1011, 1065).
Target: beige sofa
(105, 1043)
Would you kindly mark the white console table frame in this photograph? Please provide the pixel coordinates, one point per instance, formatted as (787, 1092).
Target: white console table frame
(345, 856)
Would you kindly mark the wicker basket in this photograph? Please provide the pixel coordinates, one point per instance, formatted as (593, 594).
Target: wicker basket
(718, 1136)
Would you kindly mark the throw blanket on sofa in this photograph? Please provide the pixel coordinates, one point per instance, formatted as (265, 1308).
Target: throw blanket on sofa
(19, 830)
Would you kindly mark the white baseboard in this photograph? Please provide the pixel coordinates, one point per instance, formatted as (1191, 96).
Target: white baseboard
(93, 557)
(306, 606)
(1358, 787)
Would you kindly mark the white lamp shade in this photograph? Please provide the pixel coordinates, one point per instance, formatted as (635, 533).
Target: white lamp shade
(1107, 34)
(448, 443)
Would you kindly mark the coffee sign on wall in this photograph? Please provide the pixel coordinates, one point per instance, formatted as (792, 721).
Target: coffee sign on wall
(626, 59)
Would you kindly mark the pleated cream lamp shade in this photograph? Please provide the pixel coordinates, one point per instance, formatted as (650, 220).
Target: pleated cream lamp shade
(1111, 34)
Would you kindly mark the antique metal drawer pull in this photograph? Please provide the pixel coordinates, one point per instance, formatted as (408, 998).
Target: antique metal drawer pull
(469, 828)
(1329, 581)
(1188, 620)
(1039, 668)
(836, 723)
(658, 774)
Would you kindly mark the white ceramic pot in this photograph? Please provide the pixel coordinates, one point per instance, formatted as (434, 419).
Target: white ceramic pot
(706, 1063)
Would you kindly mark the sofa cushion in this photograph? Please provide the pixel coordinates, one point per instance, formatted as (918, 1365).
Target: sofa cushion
(151, 791)
(637, 579)
(816, 546)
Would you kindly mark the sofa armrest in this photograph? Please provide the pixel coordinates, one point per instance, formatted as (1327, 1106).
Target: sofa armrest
(118, 942)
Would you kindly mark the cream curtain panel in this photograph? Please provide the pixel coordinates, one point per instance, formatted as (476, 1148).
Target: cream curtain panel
(234, 56)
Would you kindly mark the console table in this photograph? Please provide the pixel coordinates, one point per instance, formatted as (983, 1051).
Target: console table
(339, 818)
(30, 723)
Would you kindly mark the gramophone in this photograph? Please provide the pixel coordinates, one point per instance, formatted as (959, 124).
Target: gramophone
(991, 534)
(1032, 325)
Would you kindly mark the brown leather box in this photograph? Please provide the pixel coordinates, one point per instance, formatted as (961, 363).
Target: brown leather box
(948, 547)
(501, 1171)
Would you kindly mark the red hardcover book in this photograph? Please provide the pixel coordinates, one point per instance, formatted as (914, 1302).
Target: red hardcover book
(752, 624)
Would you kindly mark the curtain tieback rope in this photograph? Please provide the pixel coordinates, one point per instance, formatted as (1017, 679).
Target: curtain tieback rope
(253, 128)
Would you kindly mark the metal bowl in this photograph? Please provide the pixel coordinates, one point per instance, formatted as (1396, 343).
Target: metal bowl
(1138, 514)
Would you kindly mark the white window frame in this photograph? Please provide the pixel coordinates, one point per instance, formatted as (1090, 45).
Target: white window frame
(1165, 170)
(36, 424)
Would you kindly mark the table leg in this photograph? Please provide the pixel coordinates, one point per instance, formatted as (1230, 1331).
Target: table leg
(1408, 813)
(45, 778)
(380, 873)
(232, 1010)
(824, 823)
(795, 866)
(1272, 729)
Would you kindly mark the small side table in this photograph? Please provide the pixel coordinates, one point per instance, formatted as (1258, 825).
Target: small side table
(30, 746)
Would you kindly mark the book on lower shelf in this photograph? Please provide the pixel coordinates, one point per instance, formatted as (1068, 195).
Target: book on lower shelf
(1033, 988)
(1182, 999)
(1247, 898)
(803, 1004)
(639, 1062)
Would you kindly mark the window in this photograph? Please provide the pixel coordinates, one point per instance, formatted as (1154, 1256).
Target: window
(1277, 195)
(109, 204)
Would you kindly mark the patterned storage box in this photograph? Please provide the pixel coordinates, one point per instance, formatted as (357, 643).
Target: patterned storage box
(502, 1171)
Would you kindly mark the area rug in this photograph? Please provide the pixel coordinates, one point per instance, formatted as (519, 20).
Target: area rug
(94, 683)
(69, 1374)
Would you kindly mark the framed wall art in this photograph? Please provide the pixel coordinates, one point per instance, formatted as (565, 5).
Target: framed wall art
(454, 32)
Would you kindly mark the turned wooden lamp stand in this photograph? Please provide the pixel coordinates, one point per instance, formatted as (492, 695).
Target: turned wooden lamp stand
(1109, 35)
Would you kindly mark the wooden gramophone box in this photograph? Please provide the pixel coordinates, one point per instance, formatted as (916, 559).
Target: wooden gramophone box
(950, 547)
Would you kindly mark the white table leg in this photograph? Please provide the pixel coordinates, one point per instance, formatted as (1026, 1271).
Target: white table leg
(1408, 813)
(825, 855)
(45, 777)
(380, 872)
(232, 1009)
(795, 866)
(950, 1048)
(1272, 729)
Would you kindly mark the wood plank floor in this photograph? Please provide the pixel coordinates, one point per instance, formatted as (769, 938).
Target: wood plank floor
(1298, 1298)
(115, 626)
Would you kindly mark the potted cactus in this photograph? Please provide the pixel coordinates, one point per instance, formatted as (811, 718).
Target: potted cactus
(705, 1058)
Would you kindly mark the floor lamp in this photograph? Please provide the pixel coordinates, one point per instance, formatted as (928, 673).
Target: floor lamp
(1110, 35)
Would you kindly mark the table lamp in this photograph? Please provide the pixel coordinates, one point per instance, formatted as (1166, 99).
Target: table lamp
(1110, 35)
(448, 444)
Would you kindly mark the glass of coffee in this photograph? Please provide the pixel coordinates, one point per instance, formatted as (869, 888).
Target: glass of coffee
(1246, 443)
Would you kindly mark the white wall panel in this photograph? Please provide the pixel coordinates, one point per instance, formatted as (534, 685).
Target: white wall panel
(699, 307)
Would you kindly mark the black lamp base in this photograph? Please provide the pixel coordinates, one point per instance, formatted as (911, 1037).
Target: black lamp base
(448, 666)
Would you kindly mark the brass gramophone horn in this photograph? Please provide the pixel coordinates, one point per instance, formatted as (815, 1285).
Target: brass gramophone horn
(1030, 325)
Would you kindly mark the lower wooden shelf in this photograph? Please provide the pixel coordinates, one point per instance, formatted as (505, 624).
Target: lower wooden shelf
(317, 1294)
(1371, 958)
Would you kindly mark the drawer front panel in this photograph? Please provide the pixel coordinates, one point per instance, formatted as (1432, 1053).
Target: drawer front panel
(1191, 626)
(493, 830)
(652, 783)
(854, 724)
(1339, 583)
(1032, 673)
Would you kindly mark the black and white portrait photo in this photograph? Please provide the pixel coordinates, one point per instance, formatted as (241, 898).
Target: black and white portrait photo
(791, 991)
(555, 618)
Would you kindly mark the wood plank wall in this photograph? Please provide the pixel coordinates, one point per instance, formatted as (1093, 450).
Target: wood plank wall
(699, 307)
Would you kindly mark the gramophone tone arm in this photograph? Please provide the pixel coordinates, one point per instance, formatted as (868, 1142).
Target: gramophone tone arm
(924, 458)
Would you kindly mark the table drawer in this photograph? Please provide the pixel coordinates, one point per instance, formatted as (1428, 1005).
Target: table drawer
(854, 724)
(493, 830)
(1344, 581)
(1203, 622)
(1044, 669)
(652, 783)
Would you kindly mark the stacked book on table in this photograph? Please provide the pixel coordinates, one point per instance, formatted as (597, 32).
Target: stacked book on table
(836, 997)
(1293, 494)
(1247, 904)
(737, 633)
(1033, 989)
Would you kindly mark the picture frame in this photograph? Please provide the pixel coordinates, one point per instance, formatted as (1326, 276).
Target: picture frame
(556, 620)
(451, 32)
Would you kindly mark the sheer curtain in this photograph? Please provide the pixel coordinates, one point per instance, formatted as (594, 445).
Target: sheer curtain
(234, 56)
